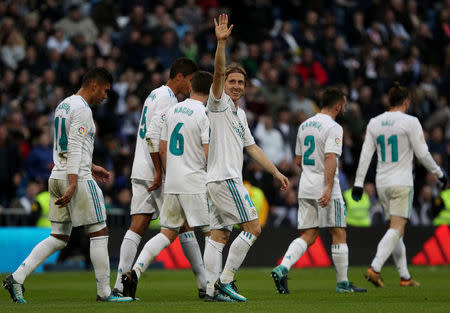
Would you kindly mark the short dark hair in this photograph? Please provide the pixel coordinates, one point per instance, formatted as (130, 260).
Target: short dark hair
(97, 74)
(201, 82)
(236, 68)
(397, 94)
(184, 66)
(331, 96)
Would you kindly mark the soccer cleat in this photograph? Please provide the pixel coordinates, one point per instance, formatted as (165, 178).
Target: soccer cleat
(279, 276)
(129, 281)
(113, 298)
(15, 289)
(116, 292)
(233, 285)
(218, 297)
(346, 286)
(201, 293)
(228, 290)
(374, 278)
(408, 283)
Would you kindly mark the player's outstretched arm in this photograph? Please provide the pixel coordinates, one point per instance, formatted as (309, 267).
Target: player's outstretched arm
(368, 148)
(258, 155)
(222, 33)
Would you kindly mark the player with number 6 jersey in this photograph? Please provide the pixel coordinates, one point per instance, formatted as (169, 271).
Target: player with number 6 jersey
(184, 152)
(146, 174)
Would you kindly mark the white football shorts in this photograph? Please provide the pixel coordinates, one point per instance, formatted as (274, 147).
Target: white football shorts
(229, 204)
(312, 215)
(396, 200)
(177, 208)
(86, 207)
(146, 202)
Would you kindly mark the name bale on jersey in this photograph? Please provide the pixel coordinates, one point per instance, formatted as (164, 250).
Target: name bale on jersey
(387, 123)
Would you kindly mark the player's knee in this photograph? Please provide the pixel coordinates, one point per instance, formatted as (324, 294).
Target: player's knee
(61, 231)
(98, 229)
(256, 231)
(169, 233)
(139, 223)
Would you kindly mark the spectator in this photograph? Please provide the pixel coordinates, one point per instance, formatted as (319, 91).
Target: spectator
(10, 167)
(311, 70)
(75, 24)
(40, 160)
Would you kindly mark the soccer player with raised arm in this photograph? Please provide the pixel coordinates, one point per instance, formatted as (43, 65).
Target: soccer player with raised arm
(320, 202)
(396, 136)
(184, 152)
(146, 175)
(229, 201)
(75, 198)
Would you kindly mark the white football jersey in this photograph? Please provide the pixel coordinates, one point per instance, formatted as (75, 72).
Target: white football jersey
(186, 130)
(74, 134)
(152, 119)
(317, 136)
(229, 135)
(396, 136)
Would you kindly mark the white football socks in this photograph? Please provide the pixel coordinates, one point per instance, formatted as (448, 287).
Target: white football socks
(339, 254)
(191, 250)
(38, 255)
(100, 262)
(296, 249)
(236, 255)
(128, 251)
(385, 248)
(213, 264)
(150, 251)
(399, 255)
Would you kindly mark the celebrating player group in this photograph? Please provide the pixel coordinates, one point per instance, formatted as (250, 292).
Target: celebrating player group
(187, 171)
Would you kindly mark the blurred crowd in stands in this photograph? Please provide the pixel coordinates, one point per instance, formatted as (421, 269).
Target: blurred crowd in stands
(291, 49)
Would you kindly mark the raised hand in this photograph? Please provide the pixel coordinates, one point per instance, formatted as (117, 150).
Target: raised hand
(222, 29)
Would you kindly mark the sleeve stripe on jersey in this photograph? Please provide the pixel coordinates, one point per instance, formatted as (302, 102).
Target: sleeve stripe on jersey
(237, 200)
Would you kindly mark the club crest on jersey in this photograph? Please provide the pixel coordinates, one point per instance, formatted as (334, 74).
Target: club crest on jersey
(81, 130)
(163, 117)
(337, 140)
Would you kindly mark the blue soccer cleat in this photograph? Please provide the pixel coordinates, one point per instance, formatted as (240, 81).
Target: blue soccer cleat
(218, 297)
(279, 276)
(15, 289)
(229, 290)
(113, 298)
(348, 287)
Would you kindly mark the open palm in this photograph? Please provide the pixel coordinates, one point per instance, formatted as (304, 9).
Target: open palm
(222, 30)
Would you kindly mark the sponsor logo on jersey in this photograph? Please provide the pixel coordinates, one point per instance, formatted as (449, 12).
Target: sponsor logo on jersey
(337, 140)
(163, 117)
(81, 130)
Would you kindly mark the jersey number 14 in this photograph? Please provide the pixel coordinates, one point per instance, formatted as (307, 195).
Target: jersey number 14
(62, 140)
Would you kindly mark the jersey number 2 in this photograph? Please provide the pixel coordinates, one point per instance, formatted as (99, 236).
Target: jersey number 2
(61, 141)
(393, 141)
(176, 145)
(309, 141)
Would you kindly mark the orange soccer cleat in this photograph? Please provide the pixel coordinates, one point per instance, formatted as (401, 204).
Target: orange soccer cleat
(374, 277)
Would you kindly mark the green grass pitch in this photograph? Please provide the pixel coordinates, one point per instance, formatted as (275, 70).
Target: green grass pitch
(312, 290)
